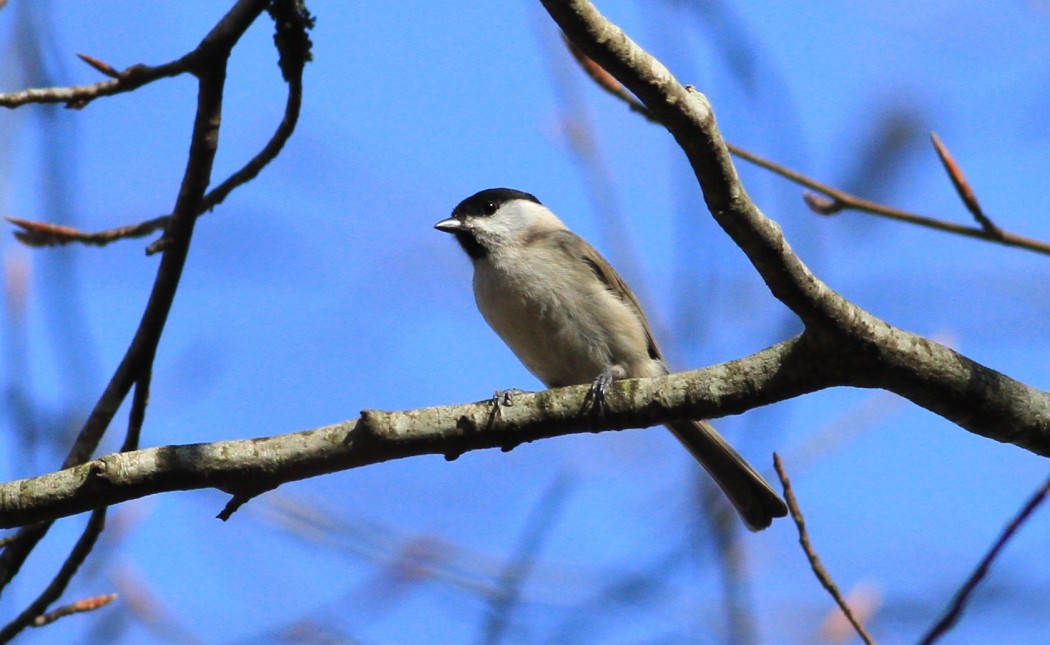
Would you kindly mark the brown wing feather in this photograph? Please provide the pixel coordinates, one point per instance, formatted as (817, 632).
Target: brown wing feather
(755, 500)
(577, 246)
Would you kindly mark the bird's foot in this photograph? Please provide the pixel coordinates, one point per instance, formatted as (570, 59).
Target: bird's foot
(595, 398)
(503, 399)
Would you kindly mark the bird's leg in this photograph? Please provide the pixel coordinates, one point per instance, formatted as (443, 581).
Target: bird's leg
(600, 388)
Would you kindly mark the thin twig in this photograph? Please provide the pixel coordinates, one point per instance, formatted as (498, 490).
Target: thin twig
(841, 200)
(962, 186)
(215, 47)
(138, 359)
(954, 611)
(294, 46)
(814, 560)
(838, 200)
(78, 96)
(41, 234)
(137, 416)
(293, 23)
(294, 56)
(78, 607)
(58, 584)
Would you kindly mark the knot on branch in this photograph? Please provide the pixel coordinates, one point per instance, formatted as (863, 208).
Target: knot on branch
(99, 471)
(293, 22)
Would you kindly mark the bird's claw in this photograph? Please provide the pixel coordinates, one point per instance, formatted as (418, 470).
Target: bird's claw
(502, 399)
(505, 398)
(599, 389)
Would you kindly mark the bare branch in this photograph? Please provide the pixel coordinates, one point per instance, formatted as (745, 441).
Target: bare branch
(954, 612)
(962, 187)
(139, 401)
(54, 590)
(688, 116)
(842, 344)
(878, 354)
(246, 467)
(78, 607)
(294, 56)
(837, 200)
(811, 554)
(42, 234)
(292, 40)
(78, 96)
(215, 49)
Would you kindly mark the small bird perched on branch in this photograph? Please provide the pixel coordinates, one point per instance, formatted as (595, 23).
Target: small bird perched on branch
(571, 319)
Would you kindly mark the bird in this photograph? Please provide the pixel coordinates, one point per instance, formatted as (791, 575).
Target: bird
(570, 318)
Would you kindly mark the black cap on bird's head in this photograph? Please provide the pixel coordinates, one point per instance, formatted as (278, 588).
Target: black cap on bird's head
(481, 204)
(488, 201)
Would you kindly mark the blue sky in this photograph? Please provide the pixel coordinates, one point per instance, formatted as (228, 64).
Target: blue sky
(321, 288)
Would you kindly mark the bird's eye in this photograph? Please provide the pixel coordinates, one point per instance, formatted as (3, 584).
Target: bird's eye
(489, 208)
